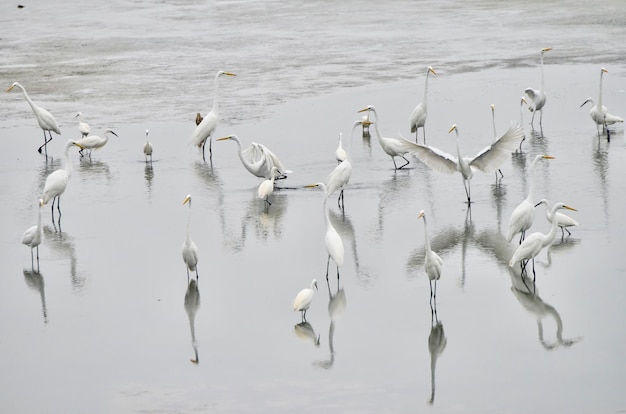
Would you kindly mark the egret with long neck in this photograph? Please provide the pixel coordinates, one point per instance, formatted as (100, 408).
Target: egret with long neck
(56, 182)
(538, 97)
(189, 250)
(418, 116)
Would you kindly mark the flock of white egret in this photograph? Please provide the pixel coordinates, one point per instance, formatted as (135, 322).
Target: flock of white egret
(261, 162)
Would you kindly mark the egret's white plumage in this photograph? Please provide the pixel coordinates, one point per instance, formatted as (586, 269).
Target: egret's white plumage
(334, 244)
(189, 250)
(266, 188)
(303, 299)
(533, 244)
(394, 147)
(92, 142)
(205, 129)
(44, 118)
(340, 152)
(489, 159)
(32, 236)
(417, 119)
(432, 262)
(340, 175)
(523, 216)
(563, 221)
(56, 182)
(599, 112)
(258, 159)
(83, 126)
(537, 97)
(147, 148)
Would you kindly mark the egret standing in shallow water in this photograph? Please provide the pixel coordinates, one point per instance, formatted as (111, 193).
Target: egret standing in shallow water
(205, 129)
(266, 188)
(56, 182)
(94, 141)
(432, 263)
(563, 221)
(83, 126)
(334, 244)
(533, 244)
(340, 153)
(189, 250)
(599, 112)
(340, 175)
(418, 116)
(147, 148)
(44, 118)
(32, 237)
(489, 159)
(537, 97)
(303, 299)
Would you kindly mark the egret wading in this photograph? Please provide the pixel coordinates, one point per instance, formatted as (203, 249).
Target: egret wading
(418, 116)
(258, 159)
(599, 112)
(56, 182)
(303, 299)
(32, 237)
(147, 148)
(537, 97)
(563, 221)
(432, 263)
(189, 250)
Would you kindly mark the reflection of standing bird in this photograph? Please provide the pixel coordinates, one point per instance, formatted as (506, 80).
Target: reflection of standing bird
(32, 237)
(418, 116)
(44, 118)
(303, 299)
(537, 97)
(147, 148)
(190, 251)
(192, 303)
(437, 342)
(432, 263)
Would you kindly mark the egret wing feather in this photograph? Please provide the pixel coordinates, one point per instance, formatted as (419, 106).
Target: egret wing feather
(492, 157)
(436, 159)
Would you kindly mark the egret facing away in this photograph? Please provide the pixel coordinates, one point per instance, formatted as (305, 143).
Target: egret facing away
(394, 147)
(205, 129)
(266, 188)
(56, 182)
(334, 244)
(523, 216)
(537, 97)
(147, 148)
(190, 251)
(83, 126)
(258, 159)
(599, 112)
(92, 142)
(340, 153)
(533, 244)
(418, 116)
(44, 118)
(340, 175)
(563, 221)
(303, 299)
(495, 136)
(489, 159)
(32, 237)
(432, 263)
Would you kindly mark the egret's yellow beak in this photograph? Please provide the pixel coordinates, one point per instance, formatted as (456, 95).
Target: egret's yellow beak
(452, 129)
(229, 74)
(222, 139)
(187, 199)
(431, 70)
(548, 157)
(546, 49)
(10, 88)
(570, 208)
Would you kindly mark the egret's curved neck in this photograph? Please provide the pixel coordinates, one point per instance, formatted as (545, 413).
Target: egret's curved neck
(351, 140)
(458, 146)
(547, 238)
(215, 95)
(39, 221)
(30, 101)
(326, 210)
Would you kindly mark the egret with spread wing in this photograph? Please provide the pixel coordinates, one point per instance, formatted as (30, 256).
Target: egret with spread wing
(258, 159)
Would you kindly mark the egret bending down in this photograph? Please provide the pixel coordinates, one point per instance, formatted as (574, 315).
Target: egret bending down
(32, 237)
(258, 159)
(44, 118)
(433, 263)
(303, 299)
(418, 116)
(563, 221)
(537, 97)
(189, 250)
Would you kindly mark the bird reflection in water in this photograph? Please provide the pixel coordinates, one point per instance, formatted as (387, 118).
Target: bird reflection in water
(34, 280)
(336, 308)
(304, 330)
(437, 342)
(192, 304)
(63, 246)
(148, 173)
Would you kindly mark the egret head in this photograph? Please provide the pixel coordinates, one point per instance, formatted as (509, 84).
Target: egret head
(602, 70)
(146, 133)
(431, 70)
(523, 101)
(221, 72)
(12, 86)
(542, 201)
(70, 143)
(493, 108)
(546, 49)
(187, 199)
(314, 283)
(547, 157)
(367, 108)
(225, 138)
(453, 128)
(421, 214)
(588, 100)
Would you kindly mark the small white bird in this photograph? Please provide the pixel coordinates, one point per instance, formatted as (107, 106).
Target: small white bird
(266, 188)
(563, 221)
(56, 182)
(189, 250)
(599, 112)
(340, 153)
(44, 118)
(32, 237)
(92, 142)
(533, 244)
(341, 174)
(83, 126)
(418, 116)
(433, 263)
(303, 299)
(537, 97)
(147, 148)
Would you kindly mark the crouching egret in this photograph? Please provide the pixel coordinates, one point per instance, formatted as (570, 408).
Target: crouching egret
(533, 244)
(56, 182)
(207, 126)
(92, 142)
(418, 116)
(563, 221)
(147, 148)
(537, 97)
(599, 112)
(44, 118)
(32, 237)
(432, 263)
(489, 159)
(189, 250)
(303, 299)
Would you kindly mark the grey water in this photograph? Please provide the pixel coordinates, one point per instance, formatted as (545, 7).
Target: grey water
(108, 322)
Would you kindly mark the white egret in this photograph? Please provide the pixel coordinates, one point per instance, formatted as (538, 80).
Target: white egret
(303, 299)
(418, 116)
(205, 129)
(563, 221)
(334, 244)
(340, 175)
(266, 188)
(32, 237)
(44, 118)
(599, 112)
(189, 250)
(432, 263)
(394, 147)
(92, 142)
(495, 136)
(83, 126)
(147, 148)
(533, 244)
(56, 182)
(537, 97)
(523, 216)
(340, 153)
(487, 160)
(258, 159)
